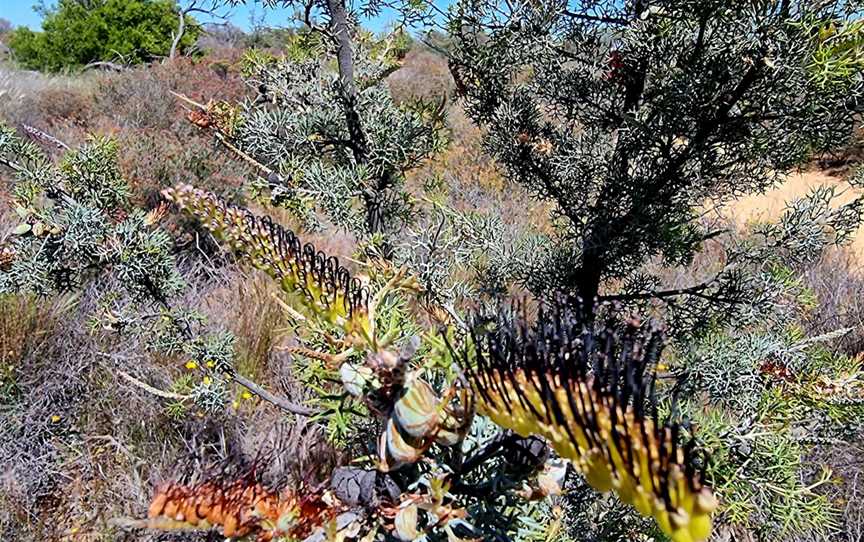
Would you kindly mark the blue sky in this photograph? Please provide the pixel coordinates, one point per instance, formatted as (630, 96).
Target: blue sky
(20, 13)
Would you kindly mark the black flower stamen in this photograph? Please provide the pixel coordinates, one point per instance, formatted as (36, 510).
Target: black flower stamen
(588, 391)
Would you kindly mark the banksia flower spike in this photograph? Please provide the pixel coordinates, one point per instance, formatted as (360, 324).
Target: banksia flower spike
(240, 508)
(590, 394)
(326, 287)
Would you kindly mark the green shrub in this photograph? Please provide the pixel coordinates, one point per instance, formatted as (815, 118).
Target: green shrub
(73, 35)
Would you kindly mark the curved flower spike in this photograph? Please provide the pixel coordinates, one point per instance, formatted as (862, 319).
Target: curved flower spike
(587, 393)
(327, 288)
(240, 508)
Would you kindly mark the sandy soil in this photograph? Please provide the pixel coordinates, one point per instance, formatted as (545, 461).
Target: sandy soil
(770, 205)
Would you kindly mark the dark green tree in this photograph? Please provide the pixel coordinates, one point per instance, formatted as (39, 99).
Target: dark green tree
(74, 34)
(639, 123)
(635, 119)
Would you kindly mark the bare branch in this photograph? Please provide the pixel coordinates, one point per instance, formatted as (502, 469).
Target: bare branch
(280, 402)
(150, 389)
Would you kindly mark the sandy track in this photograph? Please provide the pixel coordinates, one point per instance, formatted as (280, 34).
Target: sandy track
(770, 205)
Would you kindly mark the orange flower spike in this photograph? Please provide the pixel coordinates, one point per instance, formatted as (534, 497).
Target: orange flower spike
(157, 505)
(241, 507)
(229, 528)
(170, 509)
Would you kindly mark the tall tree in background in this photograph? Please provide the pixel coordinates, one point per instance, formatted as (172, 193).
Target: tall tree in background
(637, 119)
(75, 34)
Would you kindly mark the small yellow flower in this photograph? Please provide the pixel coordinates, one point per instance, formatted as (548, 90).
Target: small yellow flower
(246, 395)
(235, 405)
(207, 380)
(191, 365)
(55, 418)
(210, 364)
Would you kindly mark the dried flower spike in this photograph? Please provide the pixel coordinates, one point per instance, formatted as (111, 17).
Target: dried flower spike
(241, 508)
(588, 394)
(327, 288)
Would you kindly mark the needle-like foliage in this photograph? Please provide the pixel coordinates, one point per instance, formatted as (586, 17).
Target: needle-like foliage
(632, 118)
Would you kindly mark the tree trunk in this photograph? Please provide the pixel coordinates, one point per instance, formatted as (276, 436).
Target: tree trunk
(341, 32)
(181, 29)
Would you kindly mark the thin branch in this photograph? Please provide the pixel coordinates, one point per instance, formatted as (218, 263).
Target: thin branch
(44, 136)
(107, 65)
(177, 37)
(595, 18)
(14, 166)
(265, 172)
(661, 294)
(280, 402)
(150, 389)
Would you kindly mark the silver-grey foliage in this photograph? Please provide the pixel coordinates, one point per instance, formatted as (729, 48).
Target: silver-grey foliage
(329, 149)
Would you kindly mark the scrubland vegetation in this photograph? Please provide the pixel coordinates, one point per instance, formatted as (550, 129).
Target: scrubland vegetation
(176, 366)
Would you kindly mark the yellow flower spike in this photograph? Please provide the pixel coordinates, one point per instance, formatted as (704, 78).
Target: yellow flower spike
(589, 393)
(324, 286)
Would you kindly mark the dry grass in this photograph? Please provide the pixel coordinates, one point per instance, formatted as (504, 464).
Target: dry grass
(837, 281)
(847, 489)
(424, 74)
(24, 321)
(246, 302)
(34, 98)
